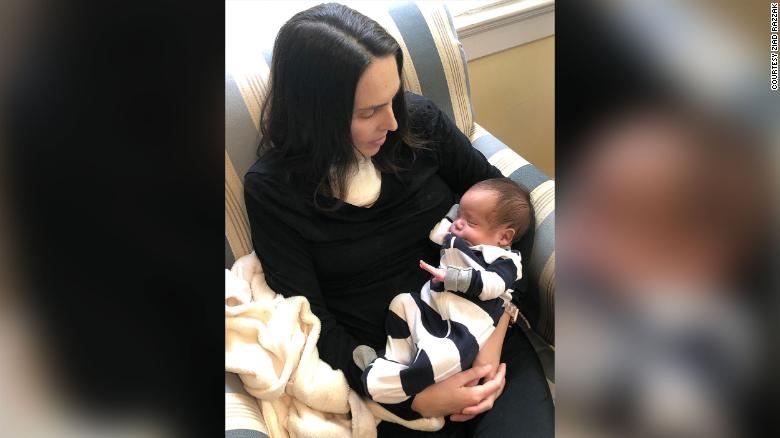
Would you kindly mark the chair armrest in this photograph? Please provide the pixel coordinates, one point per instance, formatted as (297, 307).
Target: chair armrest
(243, 418)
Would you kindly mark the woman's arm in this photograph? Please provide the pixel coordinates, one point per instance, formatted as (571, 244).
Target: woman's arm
(461, 396)
(489, 354)
(288, 269)
(460, 164)
(453, 396)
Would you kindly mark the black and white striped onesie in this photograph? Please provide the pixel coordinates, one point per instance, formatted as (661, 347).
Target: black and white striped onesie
(438, 331)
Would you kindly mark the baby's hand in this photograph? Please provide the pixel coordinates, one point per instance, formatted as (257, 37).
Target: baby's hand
(437, 273)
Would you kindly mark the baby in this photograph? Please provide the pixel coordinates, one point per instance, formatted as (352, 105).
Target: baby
(438, 331)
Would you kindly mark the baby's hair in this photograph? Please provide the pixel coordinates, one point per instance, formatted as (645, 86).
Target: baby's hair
(513, 204)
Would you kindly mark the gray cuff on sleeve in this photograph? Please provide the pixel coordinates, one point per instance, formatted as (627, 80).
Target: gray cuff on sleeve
(456, 279)
(452, 213)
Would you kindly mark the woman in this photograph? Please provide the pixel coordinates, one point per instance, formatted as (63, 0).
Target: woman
(352, 175)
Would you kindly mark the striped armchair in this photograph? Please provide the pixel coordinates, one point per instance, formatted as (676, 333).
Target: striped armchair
(434, 66)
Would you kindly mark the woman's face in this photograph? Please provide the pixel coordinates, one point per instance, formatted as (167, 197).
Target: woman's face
(372, 114)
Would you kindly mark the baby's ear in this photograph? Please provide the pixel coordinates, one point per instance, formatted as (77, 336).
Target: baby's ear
(506, 236)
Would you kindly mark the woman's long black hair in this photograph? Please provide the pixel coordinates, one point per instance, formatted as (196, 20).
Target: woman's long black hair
(318, 58)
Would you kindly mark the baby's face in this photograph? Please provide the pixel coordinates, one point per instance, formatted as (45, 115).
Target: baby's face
(474, 219)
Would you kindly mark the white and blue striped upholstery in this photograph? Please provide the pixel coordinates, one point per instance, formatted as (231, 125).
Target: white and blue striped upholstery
(434, 66)
(242, 412)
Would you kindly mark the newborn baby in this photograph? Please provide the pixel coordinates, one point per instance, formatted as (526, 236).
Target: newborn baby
(438, 331)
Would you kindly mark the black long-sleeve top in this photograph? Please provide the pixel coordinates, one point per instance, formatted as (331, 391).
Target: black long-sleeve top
(351, 262)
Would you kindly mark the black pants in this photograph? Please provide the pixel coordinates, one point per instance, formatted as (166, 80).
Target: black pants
(525, 408)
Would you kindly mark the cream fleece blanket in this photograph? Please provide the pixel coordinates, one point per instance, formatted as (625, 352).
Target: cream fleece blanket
(271, 343)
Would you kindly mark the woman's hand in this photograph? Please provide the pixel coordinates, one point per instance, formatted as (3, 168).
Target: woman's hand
(489, 354)
(486, 403)
(437, 273)
(452, 396)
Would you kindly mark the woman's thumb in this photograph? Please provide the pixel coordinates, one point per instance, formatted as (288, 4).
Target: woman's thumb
(477, 372)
